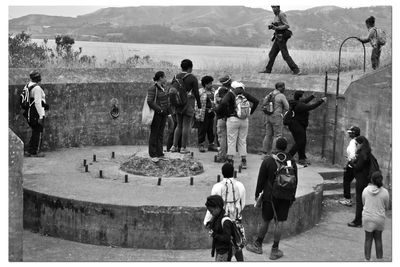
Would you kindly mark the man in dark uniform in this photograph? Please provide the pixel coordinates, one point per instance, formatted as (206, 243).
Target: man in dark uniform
(282, 34)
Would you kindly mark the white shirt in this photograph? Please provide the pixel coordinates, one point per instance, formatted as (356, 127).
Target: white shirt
(38, 95)
(351, 149)
(240, 196)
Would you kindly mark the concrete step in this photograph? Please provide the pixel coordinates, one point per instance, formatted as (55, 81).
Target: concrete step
(331, 175)
(336, 184)
(336, 193)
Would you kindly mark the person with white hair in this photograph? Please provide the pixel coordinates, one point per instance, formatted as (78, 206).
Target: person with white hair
(236, 104)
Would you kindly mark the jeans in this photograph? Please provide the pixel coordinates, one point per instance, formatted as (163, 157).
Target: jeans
(206, 129)
(222, 137)
(157, 135)
(280, 45)
(36, 138)
(300, 138)
(375, 55)
(182, 129)
(348, 177)
(273, 130)
(237, 130)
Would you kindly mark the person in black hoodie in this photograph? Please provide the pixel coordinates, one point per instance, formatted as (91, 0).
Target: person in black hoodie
(361, 166)
(221, 234)
(299, 124)
(272, 208)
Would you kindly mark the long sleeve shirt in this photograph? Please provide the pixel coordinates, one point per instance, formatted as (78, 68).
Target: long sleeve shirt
(372, 37)
(192, 86)
(351, 150)
(240, 196)
(38, 96)
(302, 109)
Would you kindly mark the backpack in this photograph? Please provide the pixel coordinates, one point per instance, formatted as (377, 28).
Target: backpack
(285, 182)
(242, 106)
(288, 116)
(238, 239)
(374, 166)
(24, 101)
(268, 106)
(178, 92)
(380, 36)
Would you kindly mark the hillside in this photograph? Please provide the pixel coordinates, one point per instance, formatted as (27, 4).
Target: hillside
(316, 28)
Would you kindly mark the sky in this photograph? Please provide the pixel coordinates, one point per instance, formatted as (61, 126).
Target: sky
(21, 8)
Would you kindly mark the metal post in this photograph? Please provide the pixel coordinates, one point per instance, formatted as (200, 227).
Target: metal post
(324, 120)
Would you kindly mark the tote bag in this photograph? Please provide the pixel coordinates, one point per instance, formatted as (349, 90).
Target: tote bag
(147, 112)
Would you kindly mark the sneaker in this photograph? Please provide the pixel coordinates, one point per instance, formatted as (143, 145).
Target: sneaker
(27, 154)
(155, 159)
(173, 149)
(244, 164)
(275, 254)
(303, 162)
(265, 71)
(184, 151)
(255, 248)
(346, 202)
(353, 224)
(38, 155)
(220, 159)
(202, 149)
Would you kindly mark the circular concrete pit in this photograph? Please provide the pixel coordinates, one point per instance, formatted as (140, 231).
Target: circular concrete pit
(62, 200)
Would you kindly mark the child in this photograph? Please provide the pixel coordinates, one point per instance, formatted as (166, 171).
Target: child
(376, 200)
(221, 234)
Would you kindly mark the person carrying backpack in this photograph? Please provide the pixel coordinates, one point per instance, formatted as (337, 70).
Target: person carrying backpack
(377, 39)
(233, 195)
(183, 99)
(274, 106)
(276, 186)
(33, 103)
(236, 104)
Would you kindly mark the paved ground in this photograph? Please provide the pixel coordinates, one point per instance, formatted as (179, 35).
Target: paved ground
(330, 240)
(62, 174)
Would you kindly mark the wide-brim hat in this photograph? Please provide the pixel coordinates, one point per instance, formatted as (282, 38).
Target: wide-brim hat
(225, 79)
(236, 84)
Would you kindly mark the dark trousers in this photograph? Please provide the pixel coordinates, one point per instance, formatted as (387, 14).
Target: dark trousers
(36, 138)
(239, 255)
(280, 45)
(171, 132)
(300, 138)
(182, 129)
(206, 128)
(375, 55)
(157, 135)
(348, 177)
(360, 185)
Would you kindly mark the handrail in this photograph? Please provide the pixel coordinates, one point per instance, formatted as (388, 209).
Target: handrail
(337, 93)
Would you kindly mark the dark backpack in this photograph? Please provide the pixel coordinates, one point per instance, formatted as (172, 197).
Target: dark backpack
(238, 239)
(24, 97)
(374, 166)
(285, 182)
(268, 106)
(178, 92)
(288, 116)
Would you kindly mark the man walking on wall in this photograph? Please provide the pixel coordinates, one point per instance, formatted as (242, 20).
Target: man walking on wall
(282, 34)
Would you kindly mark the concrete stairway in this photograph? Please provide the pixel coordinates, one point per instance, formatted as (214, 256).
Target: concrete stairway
(333, 185)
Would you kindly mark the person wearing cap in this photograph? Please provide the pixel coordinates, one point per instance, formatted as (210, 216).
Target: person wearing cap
(185, 114)
(298, 127)
(237, 128)
(272, 208)
(205, 115)
(221, 116)
(348, 175)
(221, 233)
(36, 114)
(282, 34)
(273, 123)
(233, 193)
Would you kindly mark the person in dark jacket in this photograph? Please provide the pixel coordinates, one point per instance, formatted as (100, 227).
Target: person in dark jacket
(271, 206)
(299, 124)
(361, 167)
(237, 128)
(185, 114)
(158, 101)
(221, 234)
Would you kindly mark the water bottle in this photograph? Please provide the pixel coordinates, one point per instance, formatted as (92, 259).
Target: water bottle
(271, 107)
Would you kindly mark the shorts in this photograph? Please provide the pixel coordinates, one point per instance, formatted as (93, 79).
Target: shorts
(281, 208)
(370, 225)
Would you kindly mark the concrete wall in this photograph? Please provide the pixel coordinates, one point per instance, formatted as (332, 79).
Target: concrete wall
(147, 226)
(15, 197)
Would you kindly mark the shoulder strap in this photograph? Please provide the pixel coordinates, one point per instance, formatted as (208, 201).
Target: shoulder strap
(224, 219)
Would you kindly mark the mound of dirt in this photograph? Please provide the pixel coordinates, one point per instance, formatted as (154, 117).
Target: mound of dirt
(167, 167)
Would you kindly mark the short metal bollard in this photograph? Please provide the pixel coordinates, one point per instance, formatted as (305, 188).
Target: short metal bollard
(126, 178)
(240, 168)
(113, 155)
(218, 178)
(191, 180)
(94, 158)
(86, 168)
(235, 174)
(84, 162)
(101, 174)
(215, 158)
(159, 181)
(191, 154)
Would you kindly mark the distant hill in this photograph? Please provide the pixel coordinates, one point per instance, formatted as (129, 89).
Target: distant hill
(316, 28)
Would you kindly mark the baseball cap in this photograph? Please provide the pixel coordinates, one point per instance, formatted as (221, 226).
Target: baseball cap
(236, 84)
(354, 130)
